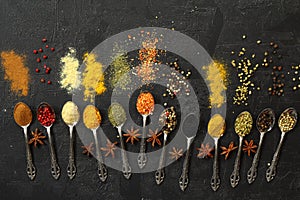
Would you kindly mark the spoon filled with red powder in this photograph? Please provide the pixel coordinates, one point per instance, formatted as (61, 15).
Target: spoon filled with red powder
(46, 117)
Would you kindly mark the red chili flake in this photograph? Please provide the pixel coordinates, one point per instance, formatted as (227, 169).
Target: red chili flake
(40, 50)
(35, 51)
(47, 46)
(45, 57)
(44, 40)
(52, 49)
(49, 82)
(42, 80)
(38, 60)
(37, 70)
(45, 115)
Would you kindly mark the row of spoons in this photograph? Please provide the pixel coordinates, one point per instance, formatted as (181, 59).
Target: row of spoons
(243, 125)
(216, 128)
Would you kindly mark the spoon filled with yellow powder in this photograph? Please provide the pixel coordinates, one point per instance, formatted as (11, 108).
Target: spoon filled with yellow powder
(92, 120)
(216, 129)
(70, 114)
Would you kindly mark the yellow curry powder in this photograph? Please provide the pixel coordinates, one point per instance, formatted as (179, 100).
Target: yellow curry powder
(217, 80)
(16, 72)
(91, 117)
(92, 77)
(216, 126)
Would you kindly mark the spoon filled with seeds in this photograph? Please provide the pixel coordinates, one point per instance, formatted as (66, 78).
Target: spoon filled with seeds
(46, 117)
(23, 117)
(242, 127)
(117, 117)
(264, 123)
(168, 121)
(216, 129)
(145, 106)
(286, 123)
(70, 115)
(92, 120)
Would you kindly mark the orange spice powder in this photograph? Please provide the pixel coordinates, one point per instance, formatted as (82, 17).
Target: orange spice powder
(16, 72)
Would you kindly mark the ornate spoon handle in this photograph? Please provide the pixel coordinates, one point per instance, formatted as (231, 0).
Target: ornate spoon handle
(184, 179)
(31, 172)
(55, 170)
(126, 169)
(142, 158)
(215, 180)
(160, 173)
(102, 172)
(271, 171)
(71, 169)
(252, 173)
(235, 176)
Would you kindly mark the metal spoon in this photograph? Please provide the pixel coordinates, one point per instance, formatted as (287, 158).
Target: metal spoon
(188, 123)
(264, 123)
(102, 172)
(242, 126)
(168, 121)
(55, 170)
(216, 129)
(286, 123)
(142, 158)
(117, 117)
(31, 172)
(71, 119)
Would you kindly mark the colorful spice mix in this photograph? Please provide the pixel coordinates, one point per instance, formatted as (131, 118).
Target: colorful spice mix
(45, 114)
(91, 117)
(145, 103)
(16, 72)
(168, 120)
(22, 114)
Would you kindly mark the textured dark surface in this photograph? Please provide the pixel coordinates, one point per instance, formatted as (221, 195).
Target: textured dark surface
(217, 25)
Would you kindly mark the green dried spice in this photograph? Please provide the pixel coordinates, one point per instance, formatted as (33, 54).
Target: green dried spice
(243, 124)
(116, 114)
(119, 74)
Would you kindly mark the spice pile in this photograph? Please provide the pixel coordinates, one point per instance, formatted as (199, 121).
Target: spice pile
(45, 115)
(16, 72)
(42, 56)
(70, 113)
(22, 114)
(217, 78)
(116, 114)
(69, 76)
(243, 124)
(145, 103)
(91, 117)
(92, 77)
(286, 121)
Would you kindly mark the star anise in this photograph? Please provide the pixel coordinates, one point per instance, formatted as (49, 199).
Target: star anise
(88, 150)
(37, 137)
(176, 153)
(154, 137)
(205, 151)
(110, 148)
(226, 151)
(249, 147)
(132, 135)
